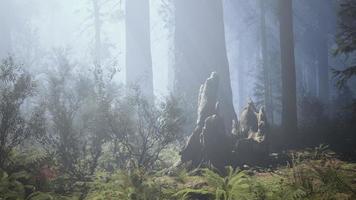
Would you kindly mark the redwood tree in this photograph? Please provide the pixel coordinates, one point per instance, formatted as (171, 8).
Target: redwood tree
(289, 99)
(199, 50)
(138, 46)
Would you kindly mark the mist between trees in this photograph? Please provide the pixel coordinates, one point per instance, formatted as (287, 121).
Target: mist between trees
(208, 95)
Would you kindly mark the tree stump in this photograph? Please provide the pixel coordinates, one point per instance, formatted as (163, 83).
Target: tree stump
(209, 143)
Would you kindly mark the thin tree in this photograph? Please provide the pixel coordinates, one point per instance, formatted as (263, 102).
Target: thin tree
(5, 33)
(97, 28)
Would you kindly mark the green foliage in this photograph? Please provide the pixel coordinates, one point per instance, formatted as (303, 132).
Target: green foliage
(30, 159)
(141, 131)
(189, 193)
(346, 39)
(317, 175)
(10, 185)
(235, 185)
(321, 152)
(312, 174)
(40, 196)
(95, 145)
(16, 86)
(136, 185)
(342, 76)
(182, 175)
(16, 186)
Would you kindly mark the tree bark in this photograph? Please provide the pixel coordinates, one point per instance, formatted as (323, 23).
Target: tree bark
(289, 99)
(265, 64)
(323, 54)
(323, 71)
(241, 77)
(199, 50)
(138, 47)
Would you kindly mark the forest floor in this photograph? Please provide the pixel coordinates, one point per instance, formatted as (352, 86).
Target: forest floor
(315, 174)
(301, 179)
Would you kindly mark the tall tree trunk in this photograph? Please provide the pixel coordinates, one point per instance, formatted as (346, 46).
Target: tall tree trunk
(97, 28)
(323, 54)
(5, 32)
(199, 50)
(265, 64)
(289, 97)
(241, 77)
(312, 77)
(138, 47)
(323, 70)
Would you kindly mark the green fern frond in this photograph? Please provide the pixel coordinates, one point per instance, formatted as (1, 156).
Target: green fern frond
(188, 193)
(213, 178)
(40, 196)
(10, 187)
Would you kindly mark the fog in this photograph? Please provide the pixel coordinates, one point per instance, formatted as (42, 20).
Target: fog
(39, 26)
(140, 99)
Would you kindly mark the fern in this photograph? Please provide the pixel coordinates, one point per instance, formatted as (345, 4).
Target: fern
(136, 185)
(189, 193)
(235, 185)
(40, 196)
(10, 185)
(316, 174)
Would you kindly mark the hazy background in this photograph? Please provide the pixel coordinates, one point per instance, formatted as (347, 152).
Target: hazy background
(40, 26)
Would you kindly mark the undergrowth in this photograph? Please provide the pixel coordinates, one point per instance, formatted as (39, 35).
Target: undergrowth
(310, 174)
